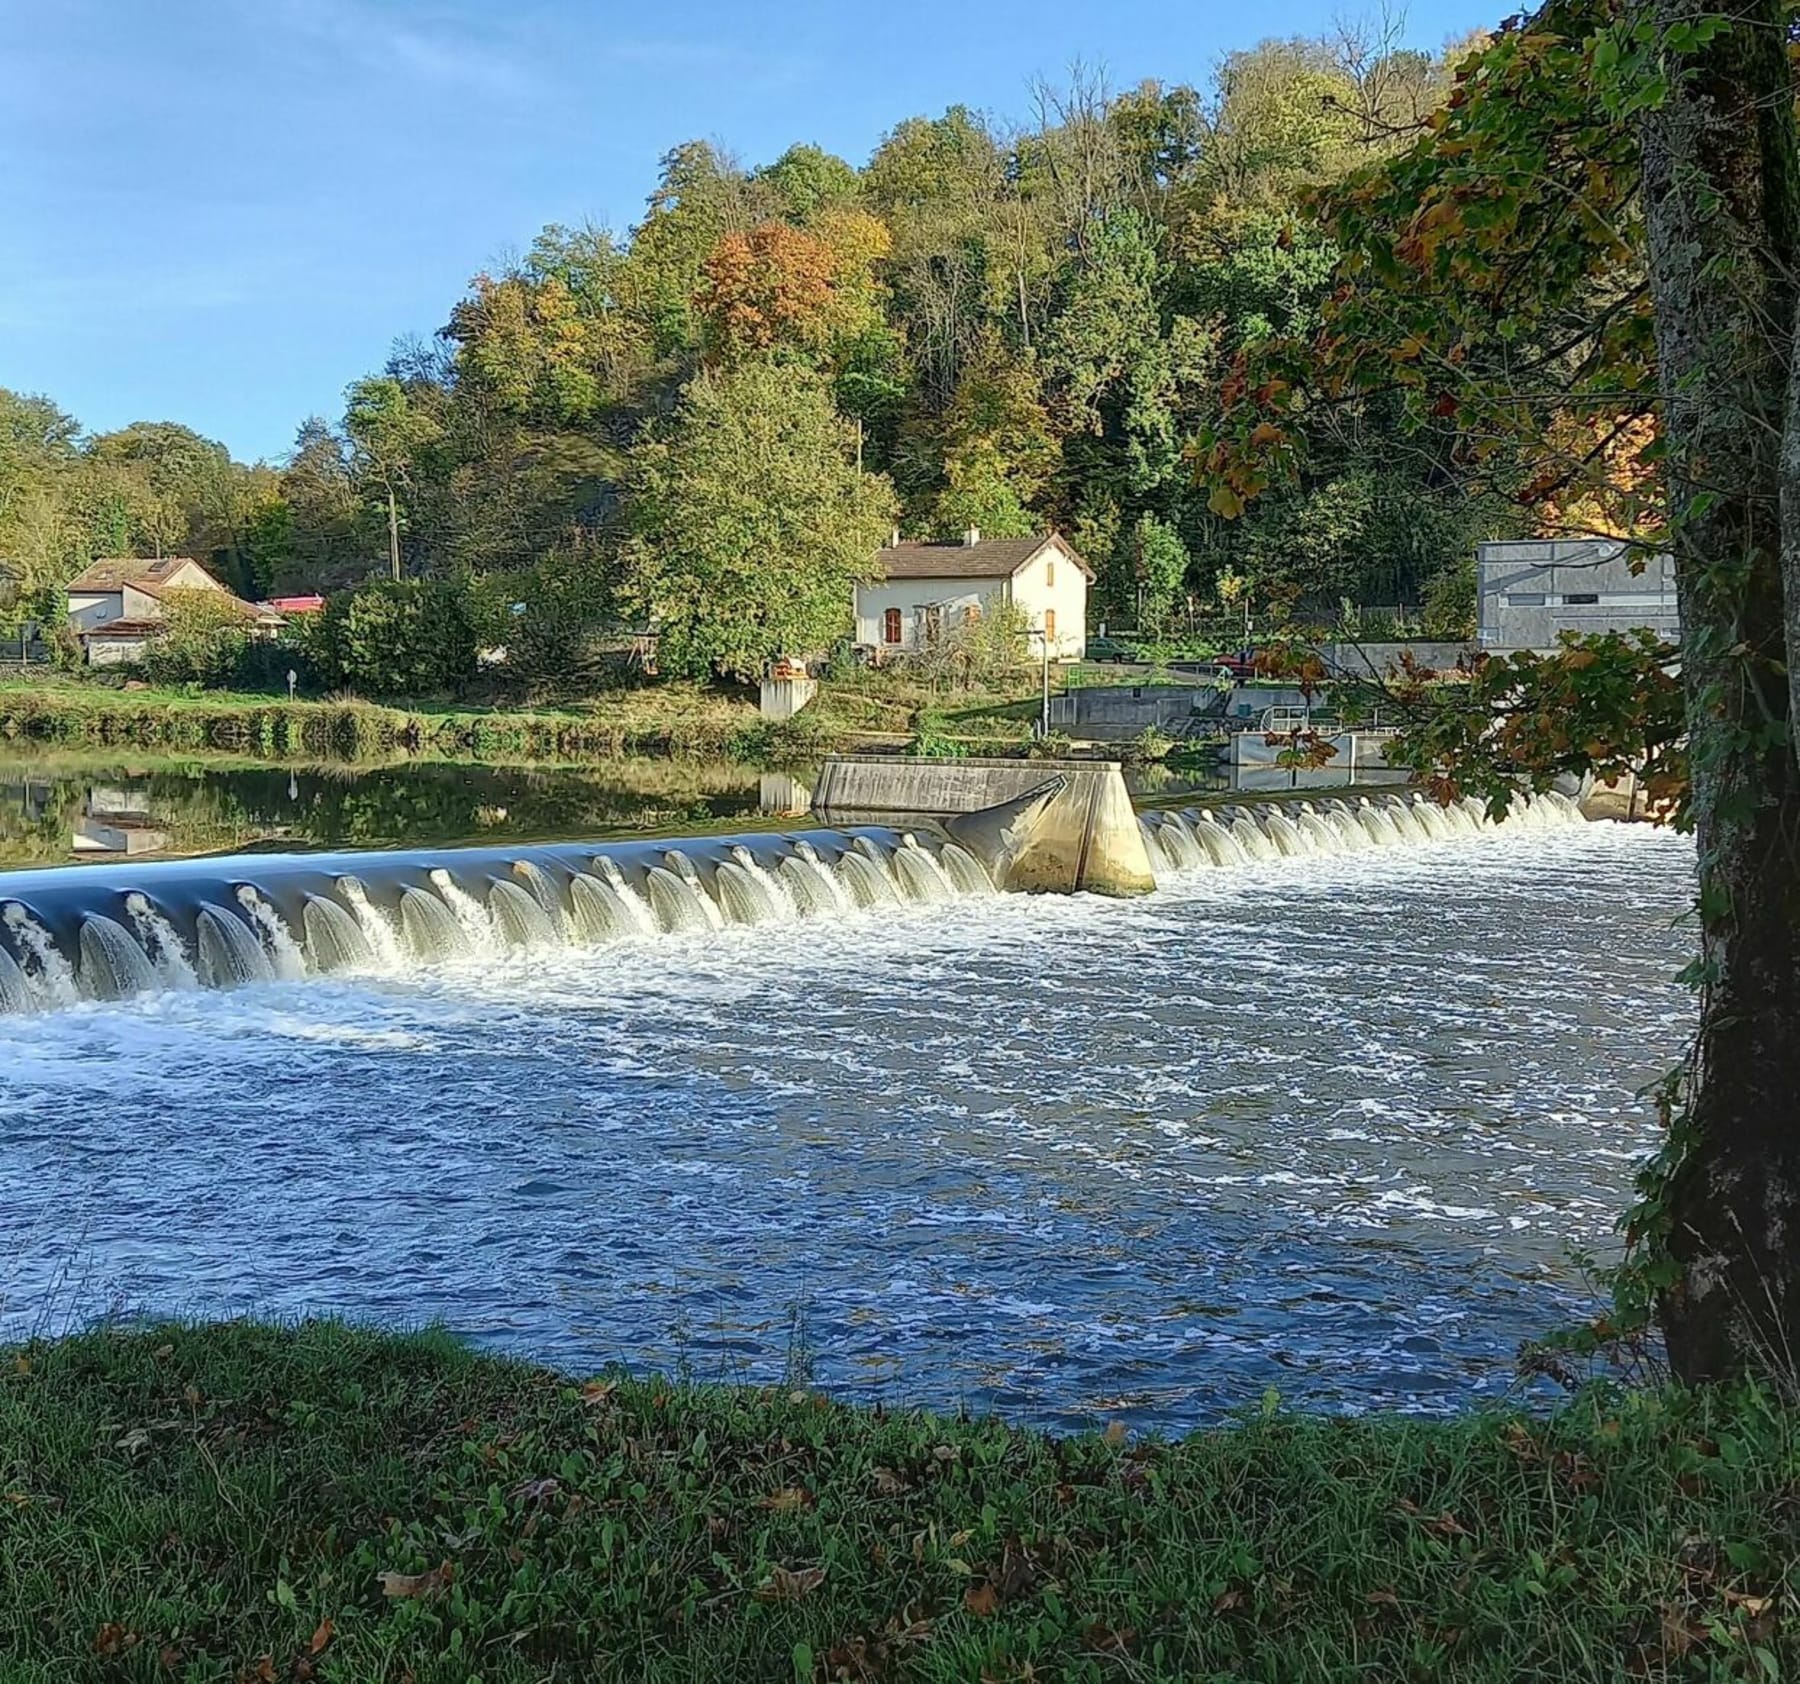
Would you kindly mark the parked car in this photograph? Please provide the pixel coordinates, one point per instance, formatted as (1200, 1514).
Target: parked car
(1115, 649)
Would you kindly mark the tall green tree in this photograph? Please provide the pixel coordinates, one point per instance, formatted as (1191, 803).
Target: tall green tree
(388, 432)
(750, 524)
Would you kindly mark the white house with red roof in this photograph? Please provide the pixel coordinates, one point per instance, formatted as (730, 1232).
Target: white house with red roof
(923, 590)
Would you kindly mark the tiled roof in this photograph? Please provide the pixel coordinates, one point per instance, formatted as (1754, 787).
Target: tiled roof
(151, 576)
(990, 558)
(146, 572)
(126, 628)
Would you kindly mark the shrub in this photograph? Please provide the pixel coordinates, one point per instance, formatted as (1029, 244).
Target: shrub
(550, 619)
(411, 638)
(205, 642)
(1450, 602)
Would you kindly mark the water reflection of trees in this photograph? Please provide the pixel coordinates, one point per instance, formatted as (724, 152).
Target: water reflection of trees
(208, 806)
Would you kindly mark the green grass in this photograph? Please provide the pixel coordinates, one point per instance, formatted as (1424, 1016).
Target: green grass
(243, 1502)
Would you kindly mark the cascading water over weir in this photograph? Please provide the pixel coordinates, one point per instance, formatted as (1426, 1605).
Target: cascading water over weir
(1196, 838)
(111, 932)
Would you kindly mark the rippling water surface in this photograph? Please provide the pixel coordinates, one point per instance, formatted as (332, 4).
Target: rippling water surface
(1325, 1124)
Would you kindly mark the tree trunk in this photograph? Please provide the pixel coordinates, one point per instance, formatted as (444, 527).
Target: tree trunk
(393, 534)
(1721, 208)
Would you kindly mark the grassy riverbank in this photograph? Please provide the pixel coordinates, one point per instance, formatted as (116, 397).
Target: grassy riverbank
(670, 718)
(247, 1503)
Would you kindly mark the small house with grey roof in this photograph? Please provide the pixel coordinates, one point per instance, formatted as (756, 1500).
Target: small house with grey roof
(922, 591)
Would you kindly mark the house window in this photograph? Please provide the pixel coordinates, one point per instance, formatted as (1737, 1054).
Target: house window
(1577, 599)
(1526, 599)
(890, 626)
(1050, 574)
(1049, 625)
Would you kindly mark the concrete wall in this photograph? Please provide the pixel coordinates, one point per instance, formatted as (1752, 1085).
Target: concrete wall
(782, 698)
(1356, 751)
(115, 651)
(1046, 826)
(1119, 712)
(1532, 590)
(1379, 660)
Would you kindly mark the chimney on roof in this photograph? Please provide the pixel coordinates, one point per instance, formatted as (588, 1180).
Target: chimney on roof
(971, 536)
(894, 538)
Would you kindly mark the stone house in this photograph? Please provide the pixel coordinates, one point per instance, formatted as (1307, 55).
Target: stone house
(117, 605)
(924, 590)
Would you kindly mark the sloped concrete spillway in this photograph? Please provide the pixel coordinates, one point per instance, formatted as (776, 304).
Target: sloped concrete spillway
(1196, 838)
(106, 933)
(111, 932)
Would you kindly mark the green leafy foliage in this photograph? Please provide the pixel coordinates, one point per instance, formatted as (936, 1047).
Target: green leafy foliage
(413, 638)
(205, 643)
(749, 523)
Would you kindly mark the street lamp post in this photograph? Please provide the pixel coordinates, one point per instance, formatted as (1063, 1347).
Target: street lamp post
(1043, 636)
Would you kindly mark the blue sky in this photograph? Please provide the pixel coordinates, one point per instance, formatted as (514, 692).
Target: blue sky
(222, 211)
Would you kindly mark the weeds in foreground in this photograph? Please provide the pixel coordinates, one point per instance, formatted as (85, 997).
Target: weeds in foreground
(244, 1502)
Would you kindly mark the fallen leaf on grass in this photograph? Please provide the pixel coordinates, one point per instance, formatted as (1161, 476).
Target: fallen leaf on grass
(786, 1500)
(946, 1453)
(416, 1584)
(790, 1585)
(1387, 1598)
(888, 1483)
(982, 1599)
(596, 1392)
(113, 1639)
(1226, 1600)
(1754, 1606)
(134, 1441)
(1116, 1433)
(320, 1637)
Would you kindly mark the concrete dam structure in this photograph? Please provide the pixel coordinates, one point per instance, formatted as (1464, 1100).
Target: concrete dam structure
(1045, 826)
(976, 828)
(110, 932)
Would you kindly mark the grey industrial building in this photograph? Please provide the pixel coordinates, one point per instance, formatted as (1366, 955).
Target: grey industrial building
(1531, 590)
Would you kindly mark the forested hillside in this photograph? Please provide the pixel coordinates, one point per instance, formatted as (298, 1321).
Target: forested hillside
(1000, 324)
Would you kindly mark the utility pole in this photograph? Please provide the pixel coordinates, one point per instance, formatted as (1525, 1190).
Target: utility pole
(1044, 643)
(393, 533)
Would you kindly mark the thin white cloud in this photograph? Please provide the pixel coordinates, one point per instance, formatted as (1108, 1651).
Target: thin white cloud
(438, 50)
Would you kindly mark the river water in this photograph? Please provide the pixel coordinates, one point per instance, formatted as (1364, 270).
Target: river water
(1325, 1124)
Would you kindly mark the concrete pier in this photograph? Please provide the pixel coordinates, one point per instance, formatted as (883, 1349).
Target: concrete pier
(782, 698)
(1057, 826)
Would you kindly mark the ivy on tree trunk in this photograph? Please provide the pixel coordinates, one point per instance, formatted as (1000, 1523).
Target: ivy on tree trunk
(1722, 212)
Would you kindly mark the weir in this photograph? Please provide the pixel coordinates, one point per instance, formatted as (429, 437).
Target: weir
(1046, 826)
(111, 932)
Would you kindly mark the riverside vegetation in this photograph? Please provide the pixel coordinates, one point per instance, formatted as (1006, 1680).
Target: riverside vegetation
(248, 1502)
(676, 718)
